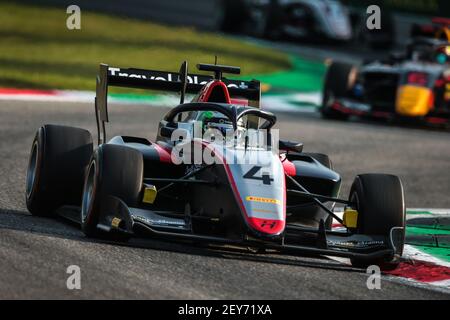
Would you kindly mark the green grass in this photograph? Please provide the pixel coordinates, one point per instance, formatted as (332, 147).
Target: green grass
(38, 51)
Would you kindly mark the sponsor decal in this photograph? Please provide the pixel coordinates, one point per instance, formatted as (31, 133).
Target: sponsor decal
(161, 222)
(269, 223)
(356, 244)
(262, 199)
(171, 77)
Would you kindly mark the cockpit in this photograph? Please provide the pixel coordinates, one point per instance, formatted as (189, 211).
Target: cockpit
(230, 123)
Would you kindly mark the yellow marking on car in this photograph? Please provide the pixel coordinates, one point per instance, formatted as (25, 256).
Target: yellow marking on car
(262, 199)
(413, 101)
(350, 219)
(149, 194)
(115, 222)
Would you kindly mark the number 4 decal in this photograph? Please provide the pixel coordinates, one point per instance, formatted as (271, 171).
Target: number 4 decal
(265, 177)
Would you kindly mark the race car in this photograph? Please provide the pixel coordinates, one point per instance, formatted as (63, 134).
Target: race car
(327, 19)
(206, 178)
(438, 29)
(414, 85)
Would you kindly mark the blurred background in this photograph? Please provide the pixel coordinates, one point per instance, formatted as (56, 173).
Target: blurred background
(284, 43)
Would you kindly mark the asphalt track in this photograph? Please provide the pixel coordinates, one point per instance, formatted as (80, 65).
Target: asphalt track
(35, 252)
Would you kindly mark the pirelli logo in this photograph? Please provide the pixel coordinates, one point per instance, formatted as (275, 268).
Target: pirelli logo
(263, 200)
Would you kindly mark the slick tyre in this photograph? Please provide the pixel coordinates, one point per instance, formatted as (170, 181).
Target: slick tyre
(116, 171)
(380, 203)
(338, 80)
(58, 160)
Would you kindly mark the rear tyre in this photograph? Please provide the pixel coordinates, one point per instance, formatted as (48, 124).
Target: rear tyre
(338, 81)
(380, 203)
(58, 160)
(114, 170)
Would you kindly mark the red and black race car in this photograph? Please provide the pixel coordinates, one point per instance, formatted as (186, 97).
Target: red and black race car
(245, 189)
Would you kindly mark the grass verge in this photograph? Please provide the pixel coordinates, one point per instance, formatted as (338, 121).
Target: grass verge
(38, 51)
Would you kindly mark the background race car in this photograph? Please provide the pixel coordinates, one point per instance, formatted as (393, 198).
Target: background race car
(295, 18)
(414, 85)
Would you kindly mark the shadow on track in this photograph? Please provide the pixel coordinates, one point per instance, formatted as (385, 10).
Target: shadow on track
(59, 228)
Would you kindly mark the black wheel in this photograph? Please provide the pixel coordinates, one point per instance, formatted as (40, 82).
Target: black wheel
(114, 170)
(338, 81)
(380, 204)
(56, 167)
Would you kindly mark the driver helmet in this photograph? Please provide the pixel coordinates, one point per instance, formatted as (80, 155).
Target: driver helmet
(218, 121)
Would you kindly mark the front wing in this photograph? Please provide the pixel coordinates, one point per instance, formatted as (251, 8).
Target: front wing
(117, 217)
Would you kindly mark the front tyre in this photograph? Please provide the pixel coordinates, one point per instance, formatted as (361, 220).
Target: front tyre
(58, 160)
(380, 203)
(339, 78)
(116, 171)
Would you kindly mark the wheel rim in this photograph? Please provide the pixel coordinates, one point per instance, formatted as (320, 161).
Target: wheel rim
(32, 168)
(88, 192)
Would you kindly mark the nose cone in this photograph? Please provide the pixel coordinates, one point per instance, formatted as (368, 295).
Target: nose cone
(260, 188)
(267, 226)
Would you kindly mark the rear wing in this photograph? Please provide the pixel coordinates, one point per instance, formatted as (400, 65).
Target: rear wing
(181, 82)
(165, 81)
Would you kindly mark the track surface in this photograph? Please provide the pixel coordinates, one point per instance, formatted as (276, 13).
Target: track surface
(35, 252)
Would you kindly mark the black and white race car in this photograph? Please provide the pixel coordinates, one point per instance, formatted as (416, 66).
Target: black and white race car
(329, 19)
(215, 173)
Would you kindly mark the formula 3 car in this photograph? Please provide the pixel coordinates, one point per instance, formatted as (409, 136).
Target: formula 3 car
(240, 191)
(414, 85)
(327, 19)
(438, 29)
